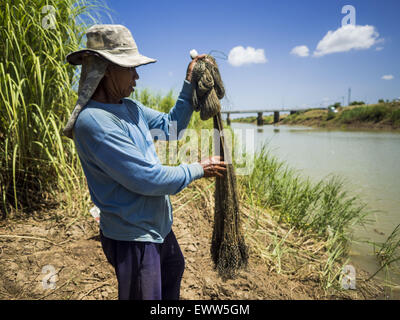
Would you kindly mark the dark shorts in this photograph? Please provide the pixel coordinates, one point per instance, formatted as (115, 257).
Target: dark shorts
(146, 270)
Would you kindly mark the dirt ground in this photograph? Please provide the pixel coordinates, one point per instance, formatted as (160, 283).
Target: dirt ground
(35, 251)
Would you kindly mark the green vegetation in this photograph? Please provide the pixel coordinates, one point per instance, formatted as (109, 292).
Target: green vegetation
(155, 101)
(305, 117)
(36, 99)
(323, 209)
(390, 113)
(389, 253)
(267, 120)
(386, 114)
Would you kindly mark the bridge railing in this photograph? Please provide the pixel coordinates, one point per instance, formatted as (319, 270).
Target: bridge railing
(279, 109)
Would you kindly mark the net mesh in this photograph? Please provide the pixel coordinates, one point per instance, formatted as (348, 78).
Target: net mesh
(228, 249)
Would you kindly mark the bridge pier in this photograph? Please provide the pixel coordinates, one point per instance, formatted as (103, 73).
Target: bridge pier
(276, 116)
(228, 119)
(260, 120)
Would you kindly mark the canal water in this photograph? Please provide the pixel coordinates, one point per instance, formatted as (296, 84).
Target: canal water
(368, 161)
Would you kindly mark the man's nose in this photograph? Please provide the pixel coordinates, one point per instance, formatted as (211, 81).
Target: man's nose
(135, 74)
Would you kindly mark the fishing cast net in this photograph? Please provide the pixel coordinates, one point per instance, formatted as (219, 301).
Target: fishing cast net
(228, 249)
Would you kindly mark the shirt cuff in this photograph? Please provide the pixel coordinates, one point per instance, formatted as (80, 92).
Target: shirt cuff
(186, 92)
(196, 170)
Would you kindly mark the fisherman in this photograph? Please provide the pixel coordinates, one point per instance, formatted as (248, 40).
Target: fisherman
(126, 180)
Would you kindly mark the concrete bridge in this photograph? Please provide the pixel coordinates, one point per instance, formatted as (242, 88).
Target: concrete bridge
(260, 120)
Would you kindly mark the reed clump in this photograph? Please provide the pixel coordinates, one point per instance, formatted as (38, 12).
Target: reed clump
(323, 209)
(389, 253)
(36, 97)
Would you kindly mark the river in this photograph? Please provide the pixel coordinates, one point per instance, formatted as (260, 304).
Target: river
(368, 161)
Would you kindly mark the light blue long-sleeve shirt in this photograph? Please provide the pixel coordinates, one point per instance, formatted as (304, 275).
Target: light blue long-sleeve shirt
(126, 179)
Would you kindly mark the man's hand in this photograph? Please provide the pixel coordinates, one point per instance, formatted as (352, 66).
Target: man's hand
(191, 66)
(213, 166)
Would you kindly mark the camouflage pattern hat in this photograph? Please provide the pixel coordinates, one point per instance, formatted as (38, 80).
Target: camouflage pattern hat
(106, 44)
(113, 42)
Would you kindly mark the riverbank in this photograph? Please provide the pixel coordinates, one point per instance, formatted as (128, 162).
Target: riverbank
(284, 263)
(381, 116)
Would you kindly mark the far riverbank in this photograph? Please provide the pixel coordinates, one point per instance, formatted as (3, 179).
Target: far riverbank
(382, 116)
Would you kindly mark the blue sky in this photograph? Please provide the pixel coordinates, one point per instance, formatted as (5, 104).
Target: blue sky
(168, 30)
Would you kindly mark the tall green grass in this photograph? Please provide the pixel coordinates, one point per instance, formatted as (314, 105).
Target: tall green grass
(389, 253)
(36, 99)
(323, 209)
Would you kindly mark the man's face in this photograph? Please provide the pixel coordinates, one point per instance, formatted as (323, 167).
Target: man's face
(121, 81)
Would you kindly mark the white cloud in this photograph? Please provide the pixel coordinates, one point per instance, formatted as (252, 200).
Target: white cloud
(388, 77)
(301, 51)
(239, 56)
(347, 38)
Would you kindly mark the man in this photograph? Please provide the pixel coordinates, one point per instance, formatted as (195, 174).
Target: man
(126, 180)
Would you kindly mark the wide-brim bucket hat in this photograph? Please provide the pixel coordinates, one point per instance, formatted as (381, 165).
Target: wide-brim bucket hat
(106, 44)
(113, 42)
